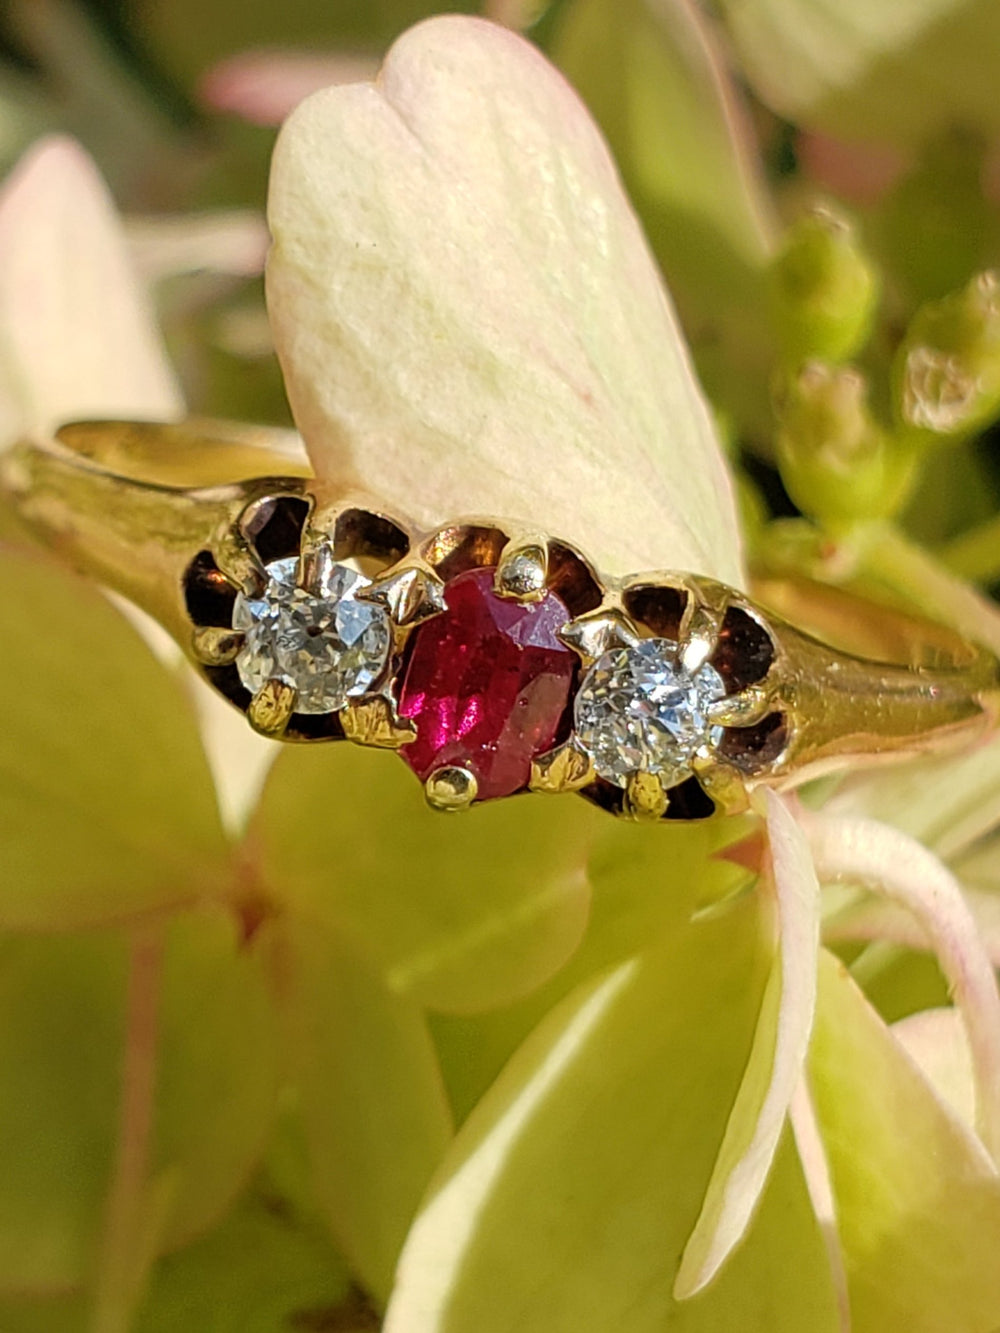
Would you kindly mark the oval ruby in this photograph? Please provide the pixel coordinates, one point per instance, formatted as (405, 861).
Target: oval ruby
(487, 683)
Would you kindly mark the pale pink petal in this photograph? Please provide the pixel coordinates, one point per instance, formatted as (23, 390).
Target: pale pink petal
(265, 86)
(861, 851)
(816, 1169)
(860, 173)
(774, 1068)
(77, 337)
(935, 1040)
(872, 918)
(947, 802)
(232, 243)
(468, 316)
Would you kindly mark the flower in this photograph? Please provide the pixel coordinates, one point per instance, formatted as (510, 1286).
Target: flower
(468, 318)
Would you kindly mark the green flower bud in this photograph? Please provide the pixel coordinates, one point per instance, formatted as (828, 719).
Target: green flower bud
(946, 377)
(825, 289)
(837, 463)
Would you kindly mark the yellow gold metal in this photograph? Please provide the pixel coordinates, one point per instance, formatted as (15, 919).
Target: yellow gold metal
(566, 768)
(646, 797)
(374, 721)
(213, 646)
(271, 708)
(449, 789)
(820, 678)
(722, 782)
(238, 561)
(410, 592)
(593, 635)
(523, 569)
(742, 709)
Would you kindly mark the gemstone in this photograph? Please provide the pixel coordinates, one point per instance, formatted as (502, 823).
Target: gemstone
(487, 683)
(324, 643)
(639, 709)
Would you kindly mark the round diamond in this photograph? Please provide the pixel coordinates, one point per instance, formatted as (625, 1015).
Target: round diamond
(639, 709)
(327, 645)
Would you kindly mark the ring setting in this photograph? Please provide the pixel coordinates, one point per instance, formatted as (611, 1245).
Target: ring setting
(494, 660)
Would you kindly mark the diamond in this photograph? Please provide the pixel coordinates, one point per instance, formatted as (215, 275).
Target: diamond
(639, 710)
(324, 643)
(487, 683)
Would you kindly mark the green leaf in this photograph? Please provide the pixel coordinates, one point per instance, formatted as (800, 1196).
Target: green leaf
(107, 808)
(917, 1200)
(855, 69)
(653, 77)
(372, 1102)
(136, 1089)
(572, 1188)
(460, 913)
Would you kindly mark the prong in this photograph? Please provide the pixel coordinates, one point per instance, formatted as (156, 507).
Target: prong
(566, 768)
(449, 789)
(239, 561)
(374, 721)
(645, 796)
(271, 708)
(593, 635)
(315, 563)
(741, 710)
(213, 646)
(721, 782)
(701, 626)
(523, 569)
(410, 594)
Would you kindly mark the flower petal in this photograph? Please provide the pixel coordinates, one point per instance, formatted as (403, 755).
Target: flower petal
(774, 1069)
(935, 1040)
(917, 1201)
(566, 1196)
(77, 338)
(264, 86)
(468, 316)
(882, 858)
(892, 72)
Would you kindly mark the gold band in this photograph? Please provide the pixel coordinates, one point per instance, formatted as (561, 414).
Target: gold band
(138, 505)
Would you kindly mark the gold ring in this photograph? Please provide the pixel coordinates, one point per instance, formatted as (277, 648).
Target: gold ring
(495, 660)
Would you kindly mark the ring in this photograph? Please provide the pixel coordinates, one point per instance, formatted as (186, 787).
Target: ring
(495, 660)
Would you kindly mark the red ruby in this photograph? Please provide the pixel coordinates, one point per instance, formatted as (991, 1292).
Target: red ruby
(487, 682)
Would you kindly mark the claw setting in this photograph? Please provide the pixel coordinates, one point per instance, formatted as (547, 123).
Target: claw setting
(322, 642)
(493, 663)
(641, 709)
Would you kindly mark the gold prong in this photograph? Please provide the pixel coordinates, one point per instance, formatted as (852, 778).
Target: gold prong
(271, 708)
(238, 561)
(522, 570)
(213, 646)
(721, 782)
(410, 594)
(566, 768)
(592, 635)
(740, 710)
(700, 628)
(374, 721)
(450, 789)
(645, 796)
